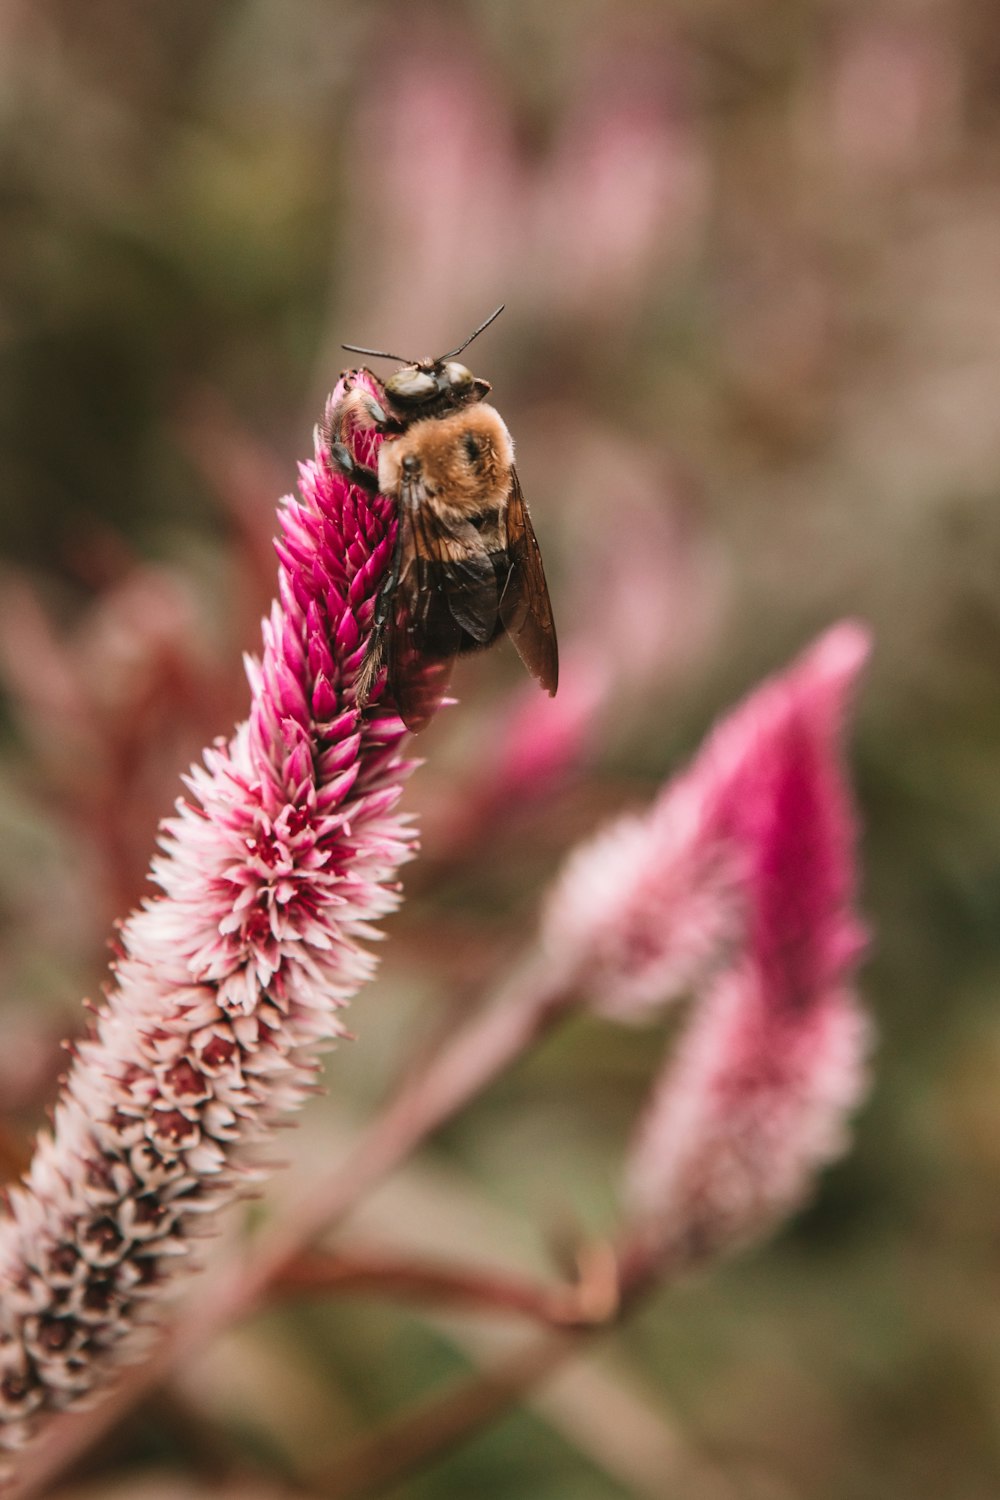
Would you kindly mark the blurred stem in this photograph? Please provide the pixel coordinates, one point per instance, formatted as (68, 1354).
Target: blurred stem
(442, 1422)
(347, 1272)
(532, 1001)
(437, 1424)
(526, 1007)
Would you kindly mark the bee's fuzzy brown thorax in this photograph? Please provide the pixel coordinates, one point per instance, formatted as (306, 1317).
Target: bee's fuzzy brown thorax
(464, 459)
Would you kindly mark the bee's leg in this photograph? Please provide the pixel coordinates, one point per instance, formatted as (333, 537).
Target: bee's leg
(357, 408)
(362, 409)
(375, 653)
(384, 601)
(353, 472)
(377, 417)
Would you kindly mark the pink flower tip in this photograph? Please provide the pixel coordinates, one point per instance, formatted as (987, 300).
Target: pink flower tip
(646, 909)
(738, 885)
(755, 1100)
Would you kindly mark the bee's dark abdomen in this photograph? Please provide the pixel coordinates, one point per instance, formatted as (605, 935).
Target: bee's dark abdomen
(442, 635)
(468, 643)
(501, 568)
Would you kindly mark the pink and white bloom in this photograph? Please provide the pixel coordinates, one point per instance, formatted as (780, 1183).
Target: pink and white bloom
(272, 872)
(739, 885)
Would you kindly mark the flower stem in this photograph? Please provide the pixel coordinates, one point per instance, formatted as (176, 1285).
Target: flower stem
(375, 1272)
(440, 1423)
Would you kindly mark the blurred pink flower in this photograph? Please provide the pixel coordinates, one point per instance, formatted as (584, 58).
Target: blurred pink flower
(228, 983)
(459, 207)
(658, 899)
(109, 708)
(739, 884)
(892, 101)
(756, 1097)
(439, 191)
(621, 200)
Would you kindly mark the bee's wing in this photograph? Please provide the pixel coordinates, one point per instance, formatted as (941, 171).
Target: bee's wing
(525, 608)
(418, 683)
(447, 587)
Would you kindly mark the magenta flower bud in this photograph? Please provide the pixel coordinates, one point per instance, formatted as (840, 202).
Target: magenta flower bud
(658, 899)
(755, 1100)
(737, 885)
(272, 874)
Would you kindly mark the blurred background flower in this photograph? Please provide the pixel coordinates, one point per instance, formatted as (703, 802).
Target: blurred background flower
(751, 361)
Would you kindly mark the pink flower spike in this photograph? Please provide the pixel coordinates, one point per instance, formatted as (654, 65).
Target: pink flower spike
(755, 1100)
(658, 900)
(229, 982)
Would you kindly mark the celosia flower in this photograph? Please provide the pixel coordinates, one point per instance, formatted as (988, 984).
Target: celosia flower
(228, 983)
(739, 884)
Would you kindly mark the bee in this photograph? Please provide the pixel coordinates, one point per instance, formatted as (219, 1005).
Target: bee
(466, 566)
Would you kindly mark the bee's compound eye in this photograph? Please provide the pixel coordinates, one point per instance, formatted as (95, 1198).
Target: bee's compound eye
(411, 385)
(456, 377)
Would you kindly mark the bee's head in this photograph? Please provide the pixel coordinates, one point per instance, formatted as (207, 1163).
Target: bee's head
(429, 381)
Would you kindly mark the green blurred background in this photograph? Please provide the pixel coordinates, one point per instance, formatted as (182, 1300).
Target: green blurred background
(751, 358)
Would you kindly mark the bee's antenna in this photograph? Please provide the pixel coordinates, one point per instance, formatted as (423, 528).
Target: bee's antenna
(472, 336)
(376, 353)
